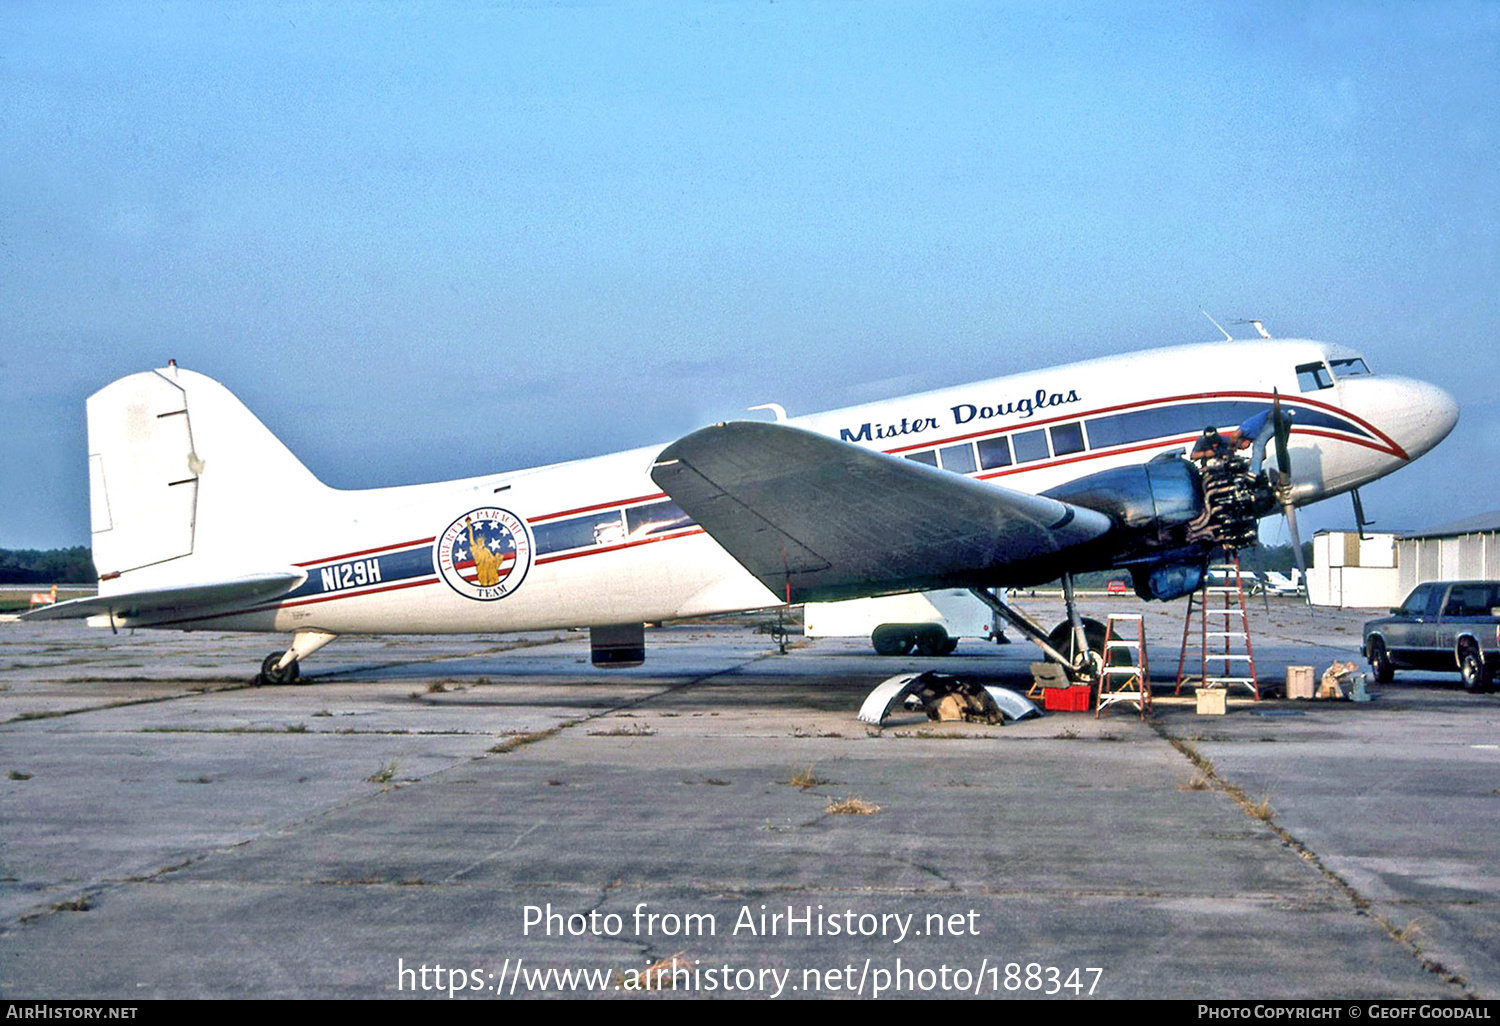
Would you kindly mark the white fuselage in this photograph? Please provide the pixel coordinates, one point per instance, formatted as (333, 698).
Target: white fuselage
(603, 548)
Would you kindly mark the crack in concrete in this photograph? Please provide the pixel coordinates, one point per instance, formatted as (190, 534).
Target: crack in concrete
(1406, 937)
(194, 690)
(933, 872)
(533, 737)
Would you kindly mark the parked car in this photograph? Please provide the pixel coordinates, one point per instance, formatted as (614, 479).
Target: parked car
(1442, 625)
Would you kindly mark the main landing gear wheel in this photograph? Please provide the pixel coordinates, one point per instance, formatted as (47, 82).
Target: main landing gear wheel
(1061, 638)
(269, 674)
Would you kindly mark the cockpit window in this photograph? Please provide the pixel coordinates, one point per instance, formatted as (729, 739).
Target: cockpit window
(1313, 376)
(1348, 368)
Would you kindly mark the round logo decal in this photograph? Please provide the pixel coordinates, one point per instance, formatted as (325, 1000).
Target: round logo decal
(484, 554)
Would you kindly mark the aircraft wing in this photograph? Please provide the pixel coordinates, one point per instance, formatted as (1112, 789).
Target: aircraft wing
(185, 599)
(816, 519)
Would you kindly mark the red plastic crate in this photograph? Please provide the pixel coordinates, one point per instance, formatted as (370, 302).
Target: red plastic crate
(1070, 699)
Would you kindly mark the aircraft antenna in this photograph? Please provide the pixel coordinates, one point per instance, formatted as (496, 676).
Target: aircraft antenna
(1227, 336)
(1259, 327)
(776, 408)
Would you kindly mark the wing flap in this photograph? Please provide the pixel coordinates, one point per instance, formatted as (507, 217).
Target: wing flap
(216, 596)
(814, 518)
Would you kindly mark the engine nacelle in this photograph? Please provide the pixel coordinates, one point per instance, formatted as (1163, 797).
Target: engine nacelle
(1154, 502)
(1172, 515)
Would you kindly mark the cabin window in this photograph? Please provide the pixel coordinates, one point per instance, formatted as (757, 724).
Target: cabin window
(1067, 438)
(927, 456)
(1352, 367)
(958, 458)
(655, 518)
(1313, 376)
(1030, 445)
(994, 452)
(579, 532)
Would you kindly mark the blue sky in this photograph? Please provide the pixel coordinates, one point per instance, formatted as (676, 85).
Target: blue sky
(556, 230)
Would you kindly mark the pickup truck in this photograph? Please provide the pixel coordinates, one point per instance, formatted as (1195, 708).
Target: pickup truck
(1442, 625)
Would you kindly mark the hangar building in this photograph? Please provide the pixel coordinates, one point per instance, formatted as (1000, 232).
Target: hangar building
(1380, 569)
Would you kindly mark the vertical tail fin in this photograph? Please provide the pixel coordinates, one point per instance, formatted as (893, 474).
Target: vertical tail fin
(178, 474)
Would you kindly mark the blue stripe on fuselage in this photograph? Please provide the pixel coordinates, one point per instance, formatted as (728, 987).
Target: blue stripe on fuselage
(351, 574)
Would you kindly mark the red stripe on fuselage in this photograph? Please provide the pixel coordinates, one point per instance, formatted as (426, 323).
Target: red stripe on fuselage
(685, 532)
(597, 505)
(368, 552)
(1159, 443)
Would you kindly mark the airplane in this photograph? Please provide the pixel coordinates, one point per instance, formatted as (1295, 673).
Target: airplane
(1292, 583)
(1152, 463)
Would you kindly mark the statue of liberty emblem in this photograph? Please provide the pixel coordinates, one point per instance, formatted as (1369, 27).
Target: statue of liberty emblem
(484, 554)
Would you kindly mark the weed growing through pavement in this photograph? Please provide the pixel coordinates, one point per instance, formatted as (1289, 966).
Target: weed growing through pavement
(851, 807)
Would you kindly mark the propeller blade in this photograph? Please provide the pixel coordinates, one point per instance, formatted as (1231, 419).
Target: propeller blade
(1260, 571)
(1290, 511)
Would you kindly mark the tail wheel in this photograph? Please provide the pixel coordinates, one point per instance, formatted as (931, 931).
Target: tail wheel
(270, 674)
(1380, 662)
(1475, 673)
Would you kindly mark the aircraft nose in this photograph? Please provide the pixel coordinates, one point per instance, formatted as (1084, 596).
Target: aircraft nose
(1417, 415)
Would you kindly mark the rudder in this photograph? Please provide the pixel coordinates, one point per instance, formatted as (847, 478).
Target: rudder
(178, 469)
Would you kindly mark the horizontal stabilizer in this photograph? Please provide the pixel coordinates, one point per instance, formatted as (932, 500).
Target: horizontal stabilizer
(815, 518)
(187, 599)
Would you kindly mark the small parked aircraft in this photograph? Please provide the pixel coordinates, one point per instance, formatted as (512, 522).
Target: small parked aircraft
(1293, 582)
(1150, 463)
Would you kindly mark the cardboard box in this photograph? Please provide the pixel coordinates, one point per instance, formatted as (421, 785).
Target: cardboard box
(1210, 702)
(1070, 699)
(1299, 682)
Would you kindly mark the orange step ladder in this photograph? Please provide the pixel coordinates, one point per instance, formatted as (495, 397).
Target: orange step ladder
(1223, 634)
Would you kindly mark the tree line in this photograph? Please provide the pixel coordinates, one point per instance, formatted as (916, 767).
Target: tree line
(52, 566)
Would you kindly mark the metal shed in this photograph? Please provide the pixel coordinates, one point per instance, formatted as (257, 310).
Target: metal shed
(1467, 549)
(1380, 569)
